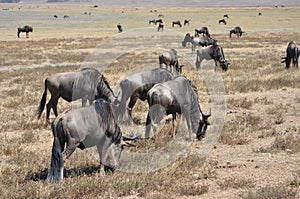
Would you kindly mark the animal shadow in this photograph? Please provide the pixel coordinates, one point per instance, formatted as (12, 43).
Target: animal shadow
(41, 174)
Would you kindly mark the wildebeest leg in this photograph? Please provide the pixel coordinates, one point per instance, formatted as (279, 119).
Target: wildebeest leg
(148, 126)
(216, 65)
(174, 124)
(131, 104)
(187, 115)
(27, 34)
(52, 104)
(287, 62)
(72, 144)
(102, 150)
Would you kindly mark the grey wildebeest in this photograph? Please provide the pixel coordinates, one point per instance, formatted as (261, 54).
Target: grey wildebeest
(86, 84)
(119, 26)
(292, 54)
(202, 30)
(237, 31)
(178, 23)
(186, 22)
(25, 29)
(176, 96)
(170, 58)
(213, 52)
(83, 128)
(197, 41)
(136, 86)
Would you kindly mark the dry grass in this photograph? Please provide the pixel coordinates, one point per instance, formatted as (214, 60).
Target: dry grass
(260, 95)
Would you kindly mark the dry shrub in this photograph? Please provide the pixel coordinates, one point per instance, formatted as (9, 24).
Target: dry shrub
(236, 183)
(239, 103)
(271, 192)
(239, 131)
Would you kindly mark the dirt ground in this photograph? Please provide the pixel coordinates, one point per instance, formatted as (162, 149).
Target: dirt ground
(251, 149)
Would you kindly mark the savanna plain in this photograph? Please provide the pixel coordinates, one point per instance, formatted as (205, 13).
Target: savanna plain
(256, 154)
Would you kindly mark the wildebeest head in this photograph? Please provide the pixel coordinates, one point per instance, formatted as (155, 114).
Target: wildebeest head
(188, 38)
(203, 125)
(219, 55)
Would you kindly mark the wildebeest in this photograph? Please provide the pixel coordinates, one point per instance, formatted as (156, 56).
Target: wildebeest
(160, 27)
(225, 16)
(152, 21)
(197, 41)
(136, 87)
(259, 14)
(186, 22)
(222, 21)
(86, 84)
(25, 29)
(55, 16)
(176, 96)
(202, 30)
(213, 52)
(170, 58)
(161, 15)
(236, 30)
(66, 16)
(83, 128)
(119, 26)
(178, 23)
(292, 54)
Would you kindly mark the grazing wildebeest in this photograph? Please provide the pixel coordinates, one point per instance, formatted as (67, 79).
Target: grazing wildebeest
(176, 96)
(136, 87)
(292, 54)
(259, 14)
(178, 23)
(160, 27)
(170, 59)
(222, 21)
(55, 16)
(197, 41)
(202, 30)
(236, 30)
(160, 15)
(226, 16)
(152, 21)
(25, 29)
(186, 22)
(119, 26)
(86, 84)
(83, 128)
(214, 52)
(159, 21)
(66, 16)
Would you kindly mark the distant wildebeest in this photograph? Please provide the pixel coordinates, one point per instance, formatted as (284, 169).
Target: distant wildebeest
(170, 58)
(160, 27)
(152, 21)
(66, 16)
(176, 96)
(202, 30)
(259, 14)
(292, 55)
(186, 22)
(83, 128)
(237, 31)
(55, 16)
(136, 86)
(226, 16)
(178, 23)
(86, 84)
(213, 52)
(159, 21)
(160, 15)
(222, 21)
(119, 26)
(197, 41)
(25, 29)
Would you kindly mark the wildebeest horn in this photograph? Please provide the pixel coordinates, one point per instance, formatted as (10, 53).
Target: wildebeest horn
(125, 138)
(123, 143)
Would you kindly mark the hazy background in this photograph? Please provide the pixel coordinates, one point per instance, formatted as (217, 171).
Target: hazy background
(177, 2)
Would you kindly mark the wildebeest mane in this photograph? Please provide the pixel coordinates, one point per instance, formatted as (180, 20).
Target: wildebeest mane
(103, 109)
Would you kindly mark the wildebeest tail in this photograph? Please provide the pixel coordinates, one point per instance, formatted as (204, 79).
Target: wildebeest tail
(43, 102)
(55, 172)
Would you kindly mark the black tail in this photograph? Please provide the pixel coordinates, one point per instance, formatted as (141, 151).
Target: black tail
(55, 174)
(43, 102)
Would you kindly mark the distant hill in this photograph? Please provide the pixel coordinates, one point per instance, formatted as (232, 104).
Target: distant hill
(9, 1)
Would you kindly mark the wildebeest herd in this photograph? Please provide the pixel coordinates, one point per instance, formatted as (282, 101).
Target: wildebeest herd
(167, 93)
